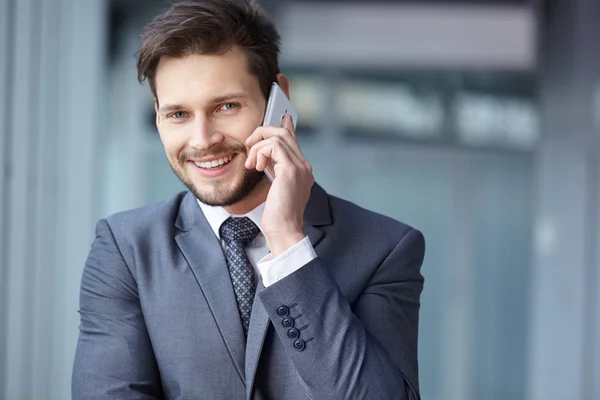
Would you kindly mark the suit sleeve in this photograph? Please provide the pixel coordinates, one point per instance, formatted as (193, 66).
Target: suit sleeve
(367, 350)
(114, 358)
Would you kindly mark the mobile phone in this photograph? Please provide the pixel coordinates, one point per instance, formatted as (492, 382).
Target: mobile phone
(278, 106)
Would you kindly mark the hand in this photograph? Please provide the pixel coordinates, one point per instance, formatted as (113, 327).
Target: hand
(282, 221)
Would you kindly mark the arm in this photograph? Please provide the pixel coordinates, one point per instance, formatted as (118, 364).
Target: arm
(114, 357)
(364, 351)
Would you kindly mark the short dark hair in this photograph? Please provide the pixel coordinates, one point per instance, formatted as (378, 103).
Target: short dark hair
(211, 27)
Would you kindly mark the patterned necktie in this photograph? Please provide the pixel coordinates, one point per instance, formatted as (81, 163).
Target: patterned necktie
(238, 233)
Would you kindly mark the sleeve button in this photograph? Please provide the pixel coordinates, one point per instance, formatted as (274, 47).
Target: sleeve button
(293, 333)
(299, 344)
(283, 311)
(287, 322)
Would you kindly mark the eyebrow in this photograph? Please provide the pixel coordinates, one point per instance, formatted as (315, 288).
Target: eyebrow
(216, 99)
(227, 97)
(170, 107)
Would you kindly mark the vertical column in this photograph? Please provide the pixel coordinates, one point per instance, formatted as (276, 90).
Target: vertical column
(5, 68)
(46, 239)
(563, 334)
(50, 92)
(591, 30)
(458, 319)
(80, 122)
(21, 192)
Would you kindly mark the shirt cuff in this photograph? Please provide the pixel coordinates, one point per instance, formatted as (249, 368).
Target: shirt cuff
(275, 269)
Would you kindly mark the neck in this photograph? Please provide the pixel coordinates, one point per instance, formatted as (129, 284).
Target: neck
(257, 196)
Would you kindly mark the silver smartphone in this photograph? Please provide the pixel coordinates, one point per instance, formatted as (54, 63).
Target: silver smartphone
(278, 106)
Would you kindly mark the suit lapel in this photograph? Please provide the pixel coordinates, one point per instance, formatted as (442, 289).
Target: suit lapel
(317, 213)
(204, 255)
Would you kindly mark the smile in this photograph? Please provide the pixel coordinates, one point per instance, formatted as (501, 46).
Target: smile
(214, 163)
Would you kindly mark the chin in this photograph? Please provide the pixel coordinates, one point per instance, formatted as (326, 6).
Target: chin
(224, 194)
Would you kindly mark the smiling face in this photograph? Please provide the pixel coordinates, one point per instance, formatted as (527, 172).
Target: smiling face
(207, 105)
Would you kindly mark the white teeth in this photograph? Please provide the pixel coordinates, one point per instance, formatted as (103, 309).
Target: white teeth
(214, 163)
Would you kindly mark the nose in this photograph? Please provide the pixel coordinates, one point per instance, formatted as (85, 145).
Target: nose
(204, 135)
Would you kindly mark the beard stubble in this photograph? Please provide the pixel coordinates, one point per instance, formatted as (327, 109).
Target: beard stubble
(220, 194)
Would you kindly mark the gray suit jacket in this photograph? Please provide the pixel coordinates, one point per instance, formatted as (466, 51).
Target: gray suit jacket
(159, 318)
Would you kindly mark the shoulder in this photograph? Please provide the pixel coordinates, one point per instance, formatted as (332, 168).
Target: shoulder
(350, 214)
(352, 223)
(158, 216)
(366, 239)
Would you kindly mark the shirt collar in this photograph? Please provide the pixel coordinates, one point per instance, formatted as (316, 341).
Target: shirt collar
(216, 215)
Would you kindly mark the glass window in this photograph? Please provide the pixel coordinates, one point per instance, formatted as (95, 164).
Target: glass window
(308, 97)
(393, 108)
(491, 119)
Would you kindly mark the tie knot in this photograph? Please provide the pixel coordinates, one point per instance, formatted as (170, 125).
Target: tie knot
(239, 230)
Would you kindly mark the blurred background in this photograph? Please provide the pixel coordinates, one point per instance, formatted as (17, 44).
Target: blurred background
(477, 122)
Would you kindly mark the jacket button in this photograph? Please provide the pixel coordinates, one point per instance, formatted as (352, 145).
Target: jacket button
(283, 311)
(299, 344)
(287, 322)
(293, 333)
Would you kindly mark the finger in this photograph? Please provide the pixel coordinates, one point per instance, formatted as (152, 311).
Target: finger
(262, 160)
(263, 156)
(272, 142)
(253, 151)
(266, 132)
(276, 152)
(288, 124)
(252, 159)
(286, 156)
(294, 150)
(288, 140)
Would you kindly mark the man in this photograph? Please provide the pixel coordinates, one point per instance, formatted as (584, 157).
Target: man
(242, 287)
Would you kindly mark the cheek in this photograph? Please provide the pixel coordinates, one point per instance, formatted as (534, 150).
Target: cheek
(243, 127)
(172, 143)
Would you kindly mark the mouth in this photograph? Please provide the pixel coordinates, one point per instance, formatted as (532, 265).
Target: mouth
(215, 168)
(216, 163)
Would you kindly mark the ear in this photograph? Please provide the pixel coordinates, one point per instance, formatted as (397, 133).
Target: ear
(284, 84)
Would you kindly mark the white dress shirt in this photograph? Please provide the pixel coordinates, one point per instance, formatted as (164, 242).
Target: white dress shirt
(270, 269)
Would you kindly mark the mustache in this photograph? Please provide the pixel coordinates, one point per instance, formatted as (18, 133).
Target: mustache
(190, 153)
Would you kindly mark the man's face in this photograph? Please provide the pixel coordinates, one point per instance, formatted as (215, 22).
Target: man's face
(207, 106)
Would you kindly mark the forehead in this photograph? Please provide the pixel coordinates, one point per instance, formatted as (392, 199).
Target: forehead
(194, 77)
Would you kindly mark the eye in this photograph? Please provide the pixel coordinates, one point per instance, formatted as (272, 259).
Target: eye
(229, 106)
(177, 115)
